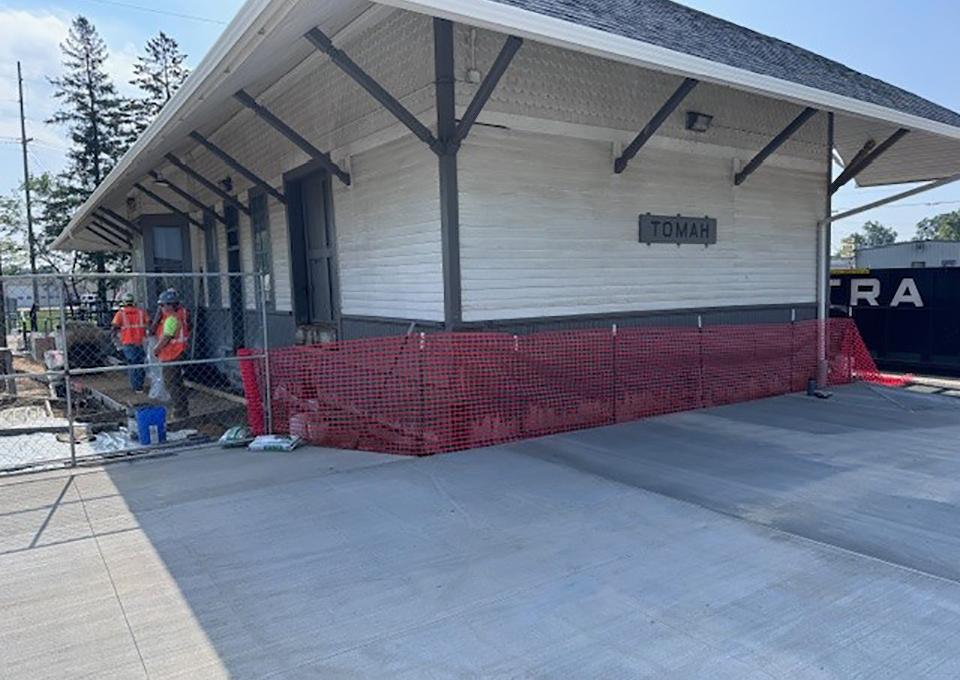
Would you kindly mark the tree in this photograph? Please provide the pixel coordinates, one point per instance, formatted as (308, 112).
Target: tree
(872, 234)
(945, 227)
(13, 226)
(92, 112)
(55, 202)
(90, 107)
(875, 234)
(159, 72)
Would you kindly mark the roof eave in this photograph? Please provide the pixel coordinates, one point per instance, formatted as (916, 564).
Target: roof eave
(245, 31)
(242, 31)
(569, 35)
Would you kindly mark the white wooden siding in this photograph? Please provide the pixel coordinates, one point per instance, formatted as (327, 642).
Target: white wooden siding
(547, 229)
(280, 252)
(196, 244)
(388, 234)
(246, 259)
(222, 261)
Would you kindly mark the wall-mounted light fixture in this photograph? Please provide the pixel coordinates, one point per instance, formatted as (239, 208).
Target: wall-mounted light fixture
(698, 122)
(227, 184)
(158, 179)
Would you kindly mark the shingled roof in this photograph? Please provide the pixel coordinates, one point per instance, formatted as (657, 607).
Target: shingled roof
(672, 26)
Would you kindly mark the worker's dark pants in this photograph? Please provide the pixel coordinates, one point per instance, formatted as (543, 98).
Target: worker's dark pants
(173, 379)
(135, 356)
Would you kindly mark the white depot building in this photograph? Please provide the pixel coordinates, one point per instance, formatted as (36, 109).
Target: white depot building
(507, 164)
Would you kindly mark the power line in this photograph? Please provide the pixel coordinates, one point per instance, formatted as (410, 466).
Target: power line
(152, 10)
(50, 146)
(43, 166)
(908, 205)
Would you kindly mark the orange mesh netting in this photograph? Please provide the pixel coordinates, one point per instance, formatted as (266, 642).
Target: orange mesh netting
(422, 394)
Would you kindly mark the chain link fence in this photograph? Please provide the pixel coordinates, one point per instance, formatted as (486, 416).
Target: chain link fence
(93, 366)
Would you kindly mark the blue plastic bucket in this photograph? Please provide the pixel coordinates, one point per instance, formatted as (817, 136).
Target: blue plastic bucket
(152, 424)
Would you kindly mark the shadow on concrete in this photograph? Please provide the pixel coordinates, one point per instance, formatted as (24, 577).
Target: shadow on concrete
(551, 558)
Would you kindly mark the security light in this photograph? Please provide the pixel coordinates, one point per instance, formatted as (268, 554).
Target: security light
(227, 184)
(698, 122)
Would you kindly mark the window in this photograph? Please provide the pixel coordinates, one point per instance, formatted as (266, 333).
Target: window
(918, 264)
(260, 222)
(948, 263)
(167, 249)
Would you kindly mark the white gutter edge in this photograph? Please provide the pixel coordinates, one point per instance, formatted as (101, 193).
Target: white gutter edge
(524, 23)
(203, 79)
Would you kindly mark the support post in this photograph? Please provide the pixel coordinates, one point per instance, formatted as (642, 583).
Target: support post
(482, 95)
(189, 198)
(112, 231)
(101, 235)
(866, 160)
(658, 119)
(298, 140)
(823, 267)
(773, 145)
(373, 88)
(120, 219)
(237, 165)
(115, 226)
(867, 147)
(449, 193)
(210, 186)
(66, 373)
(167, 204)
(268, 406)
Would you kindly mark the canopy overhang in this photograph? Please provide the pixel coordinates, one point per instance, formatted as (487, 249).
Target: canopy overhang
(265, 40)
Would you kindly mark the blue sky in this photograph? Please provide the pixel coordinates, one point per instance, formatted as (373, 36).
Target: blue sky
(907, 43)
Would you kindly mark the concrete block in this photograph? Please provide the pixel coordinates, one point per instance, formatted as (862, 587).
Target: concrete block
(40, 344)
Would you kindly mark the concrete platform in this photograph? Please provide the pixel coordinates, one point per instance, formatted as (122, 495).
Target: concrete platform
(787, 538)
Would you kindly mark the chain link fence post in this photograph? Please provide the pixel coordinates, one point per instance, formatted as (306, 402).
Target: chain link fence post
(261, 285)
(66, 373)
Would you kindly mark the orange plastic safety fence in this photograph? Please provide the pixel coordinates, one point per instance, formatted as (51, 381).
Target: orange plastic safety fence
(429, 393)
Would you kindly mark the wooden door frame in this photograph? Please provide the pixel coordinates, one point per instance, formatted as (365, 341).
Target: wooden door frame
(295, 227)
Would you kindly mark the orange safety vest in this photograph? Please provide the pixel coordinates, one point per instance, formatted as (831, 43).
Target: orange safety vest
(178, 343)
(133, 323)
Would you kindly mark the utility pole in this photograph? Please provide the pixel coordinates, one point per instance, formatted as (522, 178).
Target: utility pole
(3, 308)
(26, 190)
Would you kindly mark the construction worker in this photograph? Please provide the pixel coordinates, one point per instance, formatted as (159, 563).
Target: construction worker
(130, 324)
(172, 331)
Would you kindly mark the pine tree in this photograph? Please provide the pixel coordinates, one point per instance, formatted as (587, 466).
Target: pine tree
(159, 72)
(92, 111)
(90, 107)
(13, 227)
(55, 201)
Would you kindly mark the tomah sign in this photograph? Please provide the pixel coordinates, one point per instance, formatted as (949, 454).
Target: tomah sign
(677, 229)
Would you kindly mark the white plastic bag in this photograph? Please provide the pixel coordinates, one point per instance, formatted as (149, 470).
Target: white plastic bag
(158, 390)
